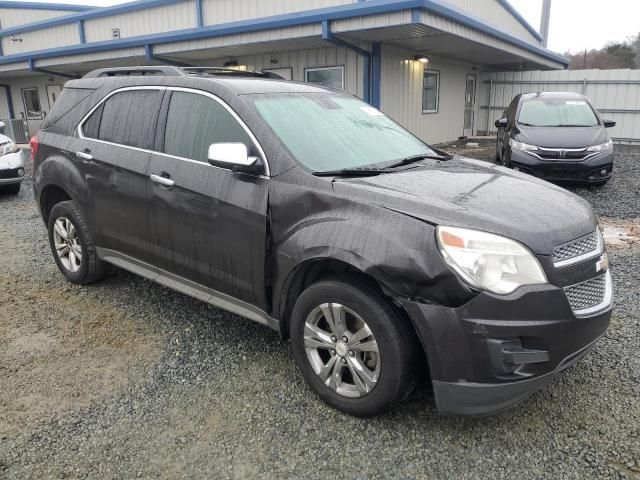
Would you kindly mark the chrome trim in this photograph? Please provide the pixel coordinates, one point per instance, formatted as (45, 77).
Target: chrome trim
(602, 306)
(176, 89)
(167, 182)
(585, 256)
(188, 287)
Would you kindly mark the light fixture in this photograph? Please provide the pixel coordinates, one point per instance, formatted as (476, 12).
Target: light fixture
(421, 59)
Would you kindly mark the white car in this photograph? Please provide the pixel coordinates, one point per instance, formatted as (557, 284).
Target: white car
(11, 165)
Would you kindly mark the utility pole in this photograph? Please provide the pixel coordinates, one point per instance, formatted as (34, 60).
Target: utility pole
(544, 21)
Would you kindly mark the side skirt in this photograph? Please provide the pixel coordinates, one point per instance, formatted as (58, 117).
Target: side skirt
(193, 289)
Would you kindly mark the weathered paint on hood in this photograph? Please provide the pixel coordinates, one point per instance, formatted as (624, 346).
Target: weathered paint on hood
(473, 194)
(562, 137)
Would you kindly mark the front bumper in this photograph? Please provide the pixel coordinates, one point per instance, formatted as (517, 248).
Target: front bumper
(561, 171)
(11, 167)
(469, 377)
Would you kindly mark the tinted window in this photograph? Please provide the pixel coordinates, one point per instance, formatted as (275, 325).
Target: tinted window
(127, 118)
(194, 122)
(69, 98)
(91, 127)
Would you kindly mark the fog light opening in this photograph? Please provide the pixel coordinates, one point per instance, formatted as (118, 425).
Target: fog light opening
(604, 172)
(21, 172)
(517, 169)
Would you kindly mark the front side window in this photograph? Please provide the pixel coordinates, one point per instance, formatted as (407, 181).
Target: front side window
(194, 122)
(430, 91)
(327, 76)
(32, 106)
(126, 118)
(555, 112)
(332, 131)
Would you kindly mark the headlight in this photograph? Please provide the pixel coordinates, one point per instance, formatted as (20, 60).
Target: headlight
(489, 262)
(523, 147)
(603, 147)
(8, 148)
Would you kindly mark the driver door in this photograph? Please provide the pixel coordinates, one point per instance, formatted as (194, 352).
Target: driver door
(207, 224)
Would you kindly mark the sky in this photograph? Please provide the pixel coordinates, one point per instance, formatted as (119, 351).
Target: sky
(575, 24)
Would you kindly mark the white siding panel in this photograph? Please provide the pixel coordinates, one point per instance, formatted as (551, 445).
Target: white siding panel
(11, 17)
(84, 58)
(401, 95)
(491, 12)
(61, 36)
(372, 21)
(177, 16)
(289, 33)
(223, 11)
(449, 26)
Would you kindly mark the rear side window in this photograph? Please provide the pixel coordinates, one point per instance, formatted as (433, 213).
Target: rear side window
(126, 118)
(194, 122)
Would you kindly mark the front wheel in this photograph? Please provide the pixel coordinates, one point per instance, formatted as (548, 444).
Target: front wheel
(352, 348)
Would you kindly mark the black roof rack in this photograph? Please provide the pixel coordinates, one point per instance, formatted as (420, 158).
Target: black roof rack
(171, 71)
(163, 71)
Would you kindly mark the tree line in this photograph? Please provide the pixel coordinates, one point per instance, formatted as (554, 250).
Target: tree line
(613, 55)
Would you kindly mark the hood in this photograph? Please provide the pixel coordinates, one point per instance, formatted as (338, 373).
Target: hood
(474, 194)
(562, 137)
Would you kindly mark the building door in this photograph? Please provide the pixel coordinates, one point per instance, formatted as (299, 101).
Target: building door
(53, 93)
(469, 105)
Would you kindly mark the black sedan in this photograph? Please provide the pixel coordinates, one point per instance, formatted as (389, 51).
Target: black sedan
(557, 136)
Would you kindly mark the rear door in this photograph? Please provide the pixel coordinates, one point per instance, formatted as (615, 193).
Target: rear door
(208, 224)
(114, 151)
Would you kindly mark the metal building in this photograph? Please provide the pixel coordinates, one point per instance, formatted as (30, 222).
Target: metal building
(417, 60)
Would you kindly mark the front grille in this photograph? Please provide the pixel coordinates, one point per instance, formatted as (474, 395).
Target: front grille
(10, 173)
(571, 155)
(577, 250)
(591, 296)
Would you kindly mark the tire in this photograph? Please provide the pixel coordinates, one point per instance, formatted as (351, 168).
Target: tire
(392, 366)
(86, 269)
(12, 189)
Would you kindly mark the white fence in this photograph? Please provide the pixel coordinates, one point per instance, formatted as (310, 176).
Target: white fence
(615, 93)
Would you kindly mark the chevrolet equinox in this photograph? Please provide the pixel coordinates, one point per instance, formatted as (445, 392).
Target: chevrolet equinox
(309, 211)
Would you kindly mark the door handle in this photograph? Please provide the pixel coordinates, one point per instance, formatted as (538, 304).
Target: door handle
(164, 181)
(84, 156)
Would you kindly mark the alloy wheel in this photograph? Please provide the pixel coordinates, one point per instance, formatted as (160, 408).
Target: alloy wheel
(67, 244)
(342, 350)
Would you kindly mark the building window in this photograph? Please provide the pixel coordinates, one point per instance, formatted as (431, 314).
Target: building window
(327, 76)
(31, 101)
(430, 91)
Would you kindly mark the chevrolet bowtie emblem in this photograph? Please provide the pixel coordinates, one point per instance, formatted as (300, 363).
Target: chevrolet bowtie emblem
(602, 264)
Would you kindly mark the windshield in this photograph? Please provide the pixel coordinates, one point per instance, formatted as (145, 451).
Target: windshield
(333, 131)
(547, 112)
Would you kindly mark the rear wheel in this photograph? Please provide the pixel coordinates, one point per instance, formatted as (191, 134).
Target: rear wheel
(352, 348)
(72, 246)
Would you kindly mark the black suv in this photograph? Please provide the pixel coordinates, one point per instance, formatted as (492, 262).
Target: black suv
(557, 136)
(307, 210)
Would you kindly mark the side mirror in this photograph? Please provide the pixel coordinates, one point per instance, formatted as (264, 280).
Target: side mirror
(609, 123)
(502, 123)
(234, 156)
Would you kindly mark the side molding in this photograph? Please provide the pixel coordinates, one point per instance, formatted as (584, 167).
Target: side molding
(193, 289)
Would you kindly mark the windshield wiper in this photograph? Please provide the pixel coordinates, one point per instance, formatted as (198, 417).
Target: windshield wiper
(354, 172)
(417, 158)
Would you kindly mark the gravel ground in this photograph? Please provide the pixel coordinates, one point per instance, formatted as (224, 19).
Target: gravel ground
(126, 379)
